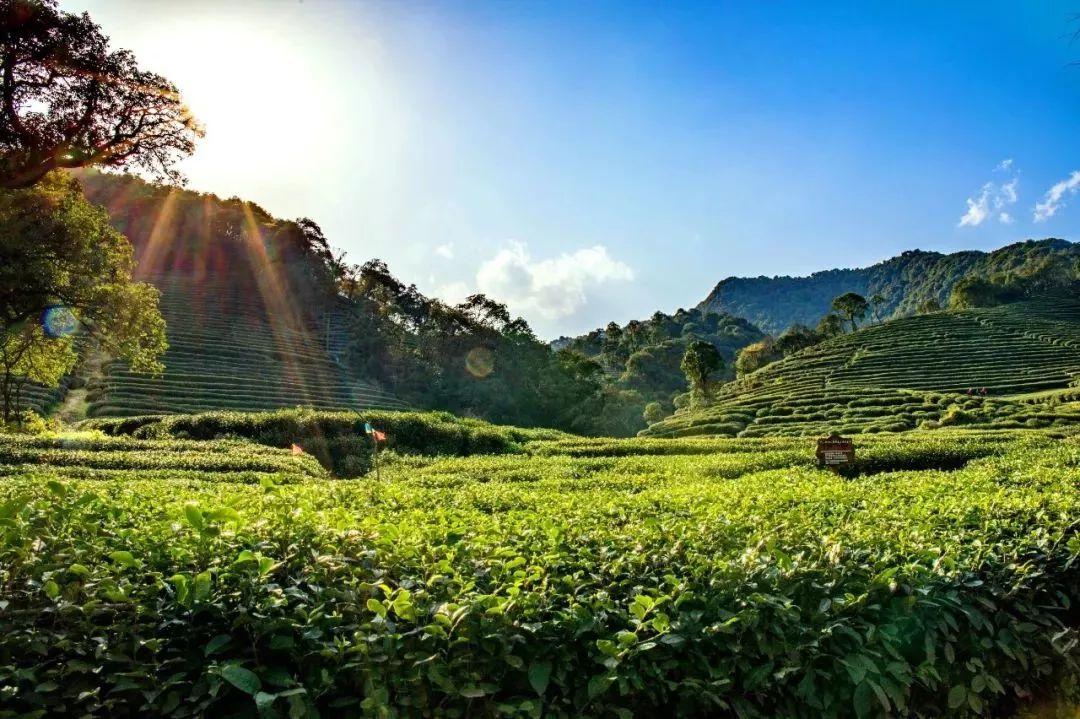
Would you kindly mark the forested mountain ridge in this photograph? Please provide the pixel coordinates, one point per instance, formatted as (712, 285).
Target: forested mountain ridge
(261, 313)
(900, 284)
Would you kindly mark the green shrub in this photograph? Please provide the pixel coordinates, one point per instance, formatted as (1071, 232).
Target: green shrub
(955, 415)
(337, 439)
(615, 583)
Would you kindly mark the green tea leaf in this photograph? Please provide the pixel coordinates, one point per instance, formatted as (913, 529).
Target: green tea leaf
(124, 559)
(194, 516)
(376, 606)
(539, 676)
(957, 696)
(243, 679)
(202, 585)
(216, 644)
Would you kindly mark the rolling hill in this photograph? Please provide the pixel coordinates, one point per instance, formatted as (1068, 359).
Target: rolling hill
(227, 350)
(928, 370)
(247, 324)
(903, 282)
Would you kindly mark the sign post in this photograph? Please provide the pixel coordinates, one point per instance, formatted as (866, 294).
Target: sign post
(835, 451)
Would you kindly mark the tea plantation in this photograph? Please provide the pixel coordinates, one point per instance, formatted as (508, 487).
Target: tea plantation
(928, 371)
(233, 347)
(185, 567)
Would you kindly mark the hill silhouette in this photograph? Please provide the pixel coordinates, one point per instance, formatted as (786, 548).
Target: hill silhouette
(902, 283)
(1016, 365)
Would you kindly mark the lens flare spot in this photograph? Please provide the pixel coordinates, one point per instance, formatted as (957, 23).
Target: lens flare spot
(480, 362)
(58, 321)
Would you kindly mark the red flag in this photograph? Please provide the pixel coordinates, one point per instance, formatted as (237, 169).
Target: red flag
(379, 436)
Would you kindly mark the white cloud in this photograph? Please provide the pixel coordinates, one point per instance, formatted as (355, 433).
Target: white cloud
(992, 200)
(446, 250)
(554, 287)
(1005, 164)
(453, 292)
(977, 209)
(1052, 200)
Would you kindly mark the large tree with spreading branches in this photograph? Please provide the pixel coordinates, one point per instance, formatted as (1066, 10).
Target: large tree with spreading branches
(852, 307)
(67, 100)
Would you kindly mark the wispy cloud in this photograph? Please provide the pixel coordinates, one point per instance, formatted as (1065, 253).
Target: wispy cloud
(1009, 191)
(1054, 198)
(555, 287)
(991, 200)
(446, 251)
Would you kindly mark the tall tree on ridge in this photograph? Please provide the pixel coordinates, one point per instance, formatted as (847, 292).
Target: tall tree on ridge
(851, 306)
(699, 362)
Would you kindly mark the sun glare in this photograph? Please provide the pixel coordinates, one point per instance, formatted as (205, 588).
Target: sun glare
(264, 99)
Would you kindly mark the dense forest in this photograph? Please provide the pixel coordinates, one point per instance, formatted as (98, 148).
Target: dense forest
(473, 359)
(896, 287)
(645, 356)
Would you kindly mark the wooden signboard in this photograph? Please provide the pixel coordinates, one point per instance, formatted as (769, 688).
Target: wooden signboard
(835, 451)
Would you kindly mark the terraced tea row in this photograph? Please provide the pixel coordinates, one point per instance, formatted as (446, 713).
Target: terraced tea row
(984, 367)
(233, 347)
(575, 577)
(89, 455)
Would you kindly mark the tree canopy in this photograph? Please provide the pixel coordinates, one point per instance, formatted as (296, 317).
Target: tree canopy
(67, 100)
(699, 362)
(64, 269)
(754, 357)
(852, 306)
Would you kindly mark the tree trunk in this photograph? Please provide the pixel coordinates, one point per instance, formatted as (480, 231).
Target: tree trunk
(5, 386)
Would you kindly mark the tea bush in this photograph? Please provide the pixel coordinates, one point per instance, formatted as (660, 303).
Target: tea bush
(593, 578)
(335, 438)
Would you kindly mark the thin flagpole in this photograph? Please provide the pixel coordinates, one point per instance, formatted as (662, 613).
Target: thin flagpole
(378, 476)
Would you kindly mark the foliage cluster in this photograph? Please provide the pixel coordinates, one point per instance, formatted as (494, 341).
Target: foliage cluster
(92, 455)
(646, 357)
(62, 264)
(1050, 276)
(585, 578)
(67, 100)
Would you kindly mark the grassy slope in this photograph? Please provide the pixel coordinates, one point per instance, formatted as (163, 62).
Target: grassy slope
(910, 372)
(574, 578)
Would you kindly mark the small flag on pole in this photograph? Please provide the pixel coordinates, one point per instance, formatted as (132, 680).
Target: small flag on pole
(377, 437)
(297, 449)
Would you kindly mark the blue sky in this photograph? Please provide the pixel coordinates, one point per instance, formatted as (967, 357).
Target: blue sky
(595, 161)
